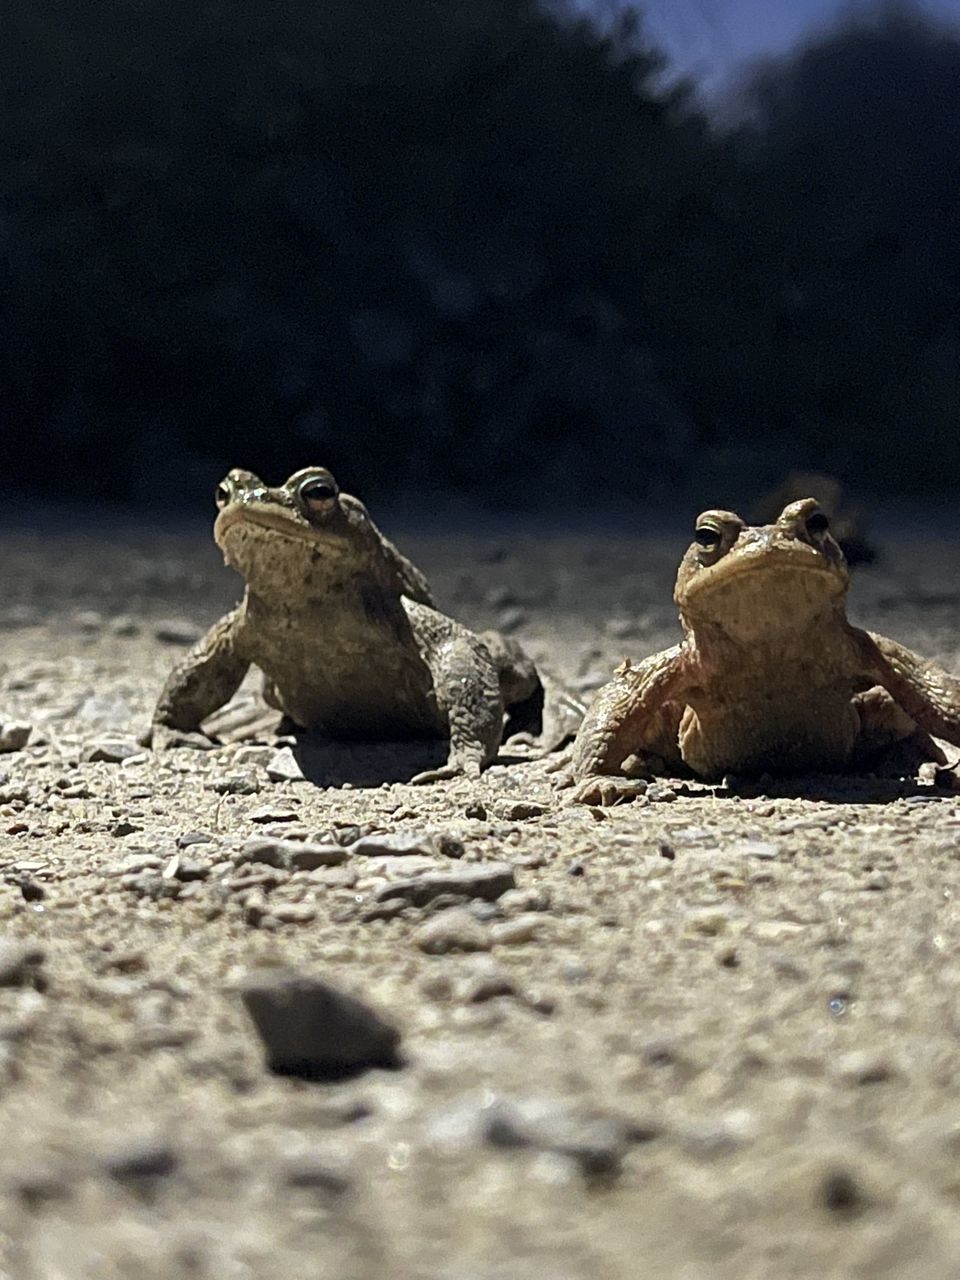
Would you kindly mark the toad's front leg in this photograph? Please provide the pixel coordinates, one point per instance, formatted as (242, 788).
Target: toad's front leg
(207, 677)
(466, 688)
(633, 719)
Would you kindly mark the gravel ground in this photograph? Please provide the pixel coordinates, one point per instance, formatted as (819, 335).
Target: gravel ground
(710, 1035)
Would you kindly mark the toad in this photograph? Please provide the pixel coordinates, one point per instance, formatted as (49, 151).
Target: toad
(349, 640)
(769, 678)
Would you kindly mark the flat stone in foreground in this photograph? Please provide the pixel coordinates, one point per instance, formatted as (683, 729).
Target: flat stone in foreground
(482, 880)
(313, 1030)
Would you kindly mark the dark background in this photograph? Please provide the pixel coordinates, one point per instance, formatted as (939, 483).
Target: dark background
(465, 245)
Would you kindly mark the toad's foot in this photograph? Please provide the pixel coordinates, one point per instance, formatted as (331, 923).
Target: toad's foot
(162, 738)
(452, 769)
(606, 792)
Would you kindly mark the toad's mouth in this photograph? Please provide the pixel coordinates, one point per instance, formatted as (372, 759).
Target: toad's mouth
(798, 567)
(275, 519)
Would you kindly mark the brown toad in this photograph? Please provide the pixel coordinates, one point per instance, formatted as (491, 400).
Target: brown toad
(770, 677)
(345, 631)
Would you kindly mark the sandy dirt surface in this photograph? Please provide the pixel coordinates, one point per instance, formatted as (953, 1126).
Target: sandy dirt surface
(710, 1035)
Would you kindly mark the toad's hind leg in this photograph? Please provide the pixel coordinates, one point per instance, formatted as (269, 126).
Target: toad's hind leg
(889, 741)
(538, 706)
(466, 690)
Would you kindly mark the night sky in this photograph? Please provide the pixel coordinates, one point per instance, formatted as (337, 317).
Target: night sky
(707, 38)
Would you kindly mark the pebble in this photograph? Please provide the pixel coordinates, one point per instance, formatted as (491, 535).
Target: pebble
(124, 626)
(255, 907)
(762, 849)
(21, 964)
(235, 784)
(311, 1029)
(708, 921)
(14, 735)
(776, 930)
(194, 837)
(313, 1173)
(111, 750)
(405, 844)
(452, 930)
(519, 810)
(273, 813)
(860, 1066)
(519, 901)
(141, 1160)
(136, 863)
(842, 1194)
(284, 767)
(176, 631)
(479, 880)
(596, 1144)
(520, 930)
(293, 912)
(483, 980)
(294, 854)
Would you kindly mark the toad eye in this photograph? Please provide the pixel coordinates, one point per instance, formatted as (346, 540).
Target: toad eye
(222, 494)
(817, 523)
(707, 537)
(319, 495)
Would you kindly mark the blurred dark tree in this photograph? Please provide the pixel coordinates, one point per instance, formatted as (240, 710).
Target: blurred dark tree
(852, 173)
(464, 243)
(407, 240)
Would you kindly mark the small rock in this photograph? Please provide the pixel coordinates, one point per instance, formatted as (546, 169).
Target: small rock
(659, 792)
(191, 869)
(313, 1030)
(296, 854)
(111, 750)
(860, 1066)
(255, 907)
(406, 844)
(176, 631)
(88, 620)
(776, 930)
(306, 856)
(452, 930)
(124, 627)
(284, 767)
(475, 810)
(476, 880)
(763, 849)
(520, 810)
(124, 828)
(194, 837)
(842, 1194)
(596, 1144)
(519, 901)
(21, 964)
(14, 735)
(31, 890)
(293, 912)
(136, 863)
(312, 1173)
(484, 980)
(151, 885)
(511, 619)
(131, 961)
(520, 930)
(235, 784)
(708, 921)
(273, 813)
(141, 1161)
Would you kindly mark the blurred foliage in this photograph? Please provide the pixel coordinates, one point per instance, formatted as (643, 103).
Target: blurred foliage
(465, 243)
